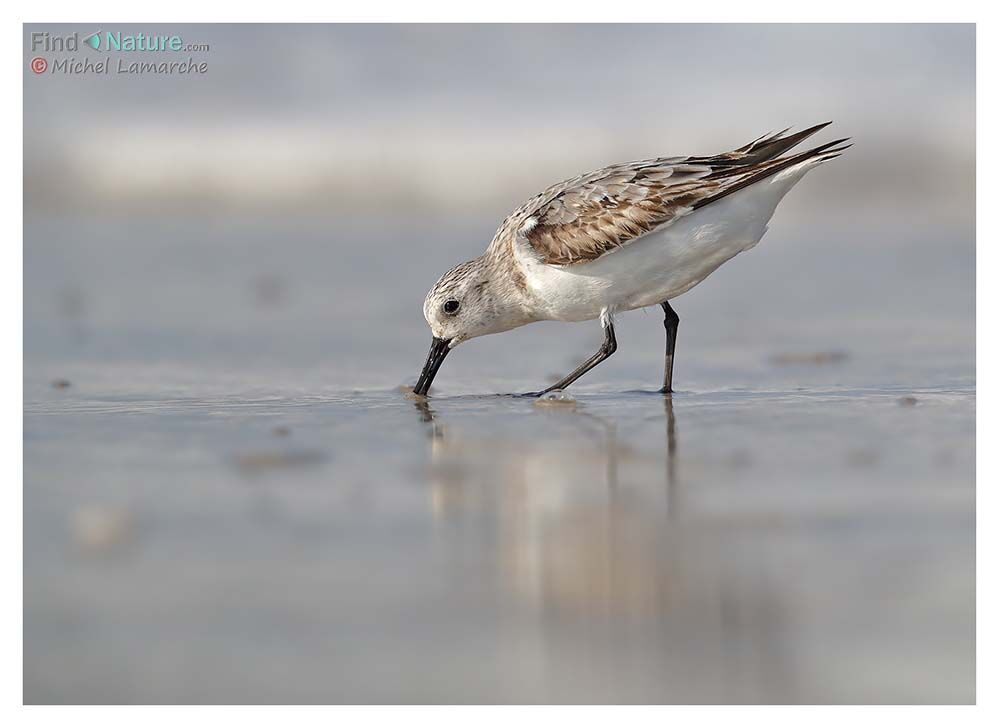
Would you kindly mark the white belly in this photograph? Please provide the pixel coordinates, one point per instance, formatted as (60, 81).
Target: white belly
(665, 263)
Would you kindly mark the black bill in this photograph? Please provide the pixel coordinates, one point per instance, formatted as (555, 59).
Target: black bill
(438, 350)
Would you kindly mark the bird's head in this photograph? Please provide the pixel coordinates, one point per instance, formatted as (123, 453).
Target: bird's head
(469, 300)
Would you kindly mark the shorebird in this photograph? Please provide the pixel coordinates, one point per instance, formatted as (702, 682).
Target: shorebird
(623, 237)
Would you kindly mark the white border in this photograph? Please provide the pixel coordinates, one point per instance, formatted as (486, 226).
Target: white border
(522, 11)
(508, 10)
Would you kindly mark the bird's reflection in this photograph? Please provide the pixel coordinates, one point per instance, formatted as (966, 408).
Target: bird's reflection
(560, 516)
(427, 414)
(671, 485)
(605, 428)
(577, 515)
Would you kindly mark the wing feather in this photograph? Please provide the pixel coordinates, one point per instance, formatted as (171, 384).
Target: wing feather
(596, 213)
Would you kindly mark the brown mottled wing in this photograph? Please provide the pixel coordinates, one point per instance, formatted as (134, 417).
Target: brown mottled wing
(584, 218)
(608, 209)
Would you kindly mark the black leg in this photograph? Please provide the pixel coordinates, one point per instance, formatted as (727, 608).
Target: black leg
(671, 322)
(606, 349)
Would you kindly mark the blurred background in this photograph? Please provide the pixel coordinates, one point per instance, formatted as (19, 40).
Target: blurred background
(229, 498)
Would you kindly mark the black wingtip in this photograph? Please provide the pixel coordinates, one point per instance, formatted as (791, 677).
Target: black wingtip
(828, 146)
(768, 147)
(813, 129)
(829, 150)
(837, 150)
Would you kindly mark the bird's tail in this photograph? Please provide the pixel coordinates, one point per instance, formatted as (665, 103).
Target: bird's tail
(760, 159)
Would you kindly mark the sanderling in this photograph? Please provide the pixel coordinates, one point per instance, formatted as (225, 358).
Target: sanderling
(624, 237)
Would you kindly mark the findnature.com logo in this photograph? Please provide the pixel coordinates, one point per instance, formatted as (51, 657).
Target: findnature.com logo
(112, 42)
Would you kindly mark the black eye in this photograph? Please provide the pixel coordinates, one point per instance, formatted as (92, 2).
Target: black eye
(451, 307)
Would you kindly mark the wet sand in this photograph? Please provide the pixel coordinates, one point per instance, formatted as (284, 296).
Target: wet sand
(228, 496)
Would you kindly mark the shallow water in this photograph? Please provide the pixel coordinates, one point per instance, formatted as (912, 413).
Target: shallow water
(229, 497)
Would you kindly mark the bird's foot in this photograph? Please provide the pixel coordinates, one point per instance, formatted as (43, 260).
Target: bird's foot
(542, 393)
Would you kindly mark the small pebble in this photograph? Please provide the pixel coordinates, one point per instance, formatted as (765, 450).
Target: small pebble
(814, 358)
(282, 431)
(101, 529)
(863, 458)
(269, 290)
(60, 384)
(908, 401)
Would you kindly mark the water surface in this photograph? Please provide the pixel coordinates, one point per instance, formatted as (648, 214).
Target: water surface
(228, 497)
